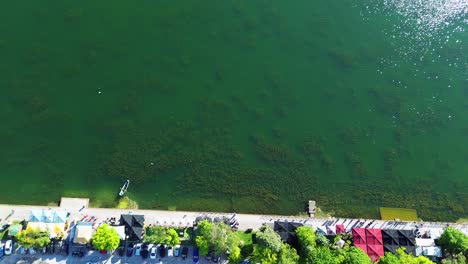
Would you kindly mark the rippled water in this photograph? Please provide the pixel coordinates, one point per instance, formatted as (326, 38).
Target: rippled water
(251, 106)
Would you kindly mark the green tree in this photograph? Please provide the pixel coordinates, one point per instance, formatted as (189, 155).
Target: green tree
(268, 238)
(172, 237)
(322, 255)
(401, 257)
(457, 259)
(106, 238)
(204, 228)
(33, 237)
(155, 234)
(202, 245)
(305, 236)
(219, 238)
(264, 255)
(453, 241)
(355, 255)
(288, 255)
(322, 240)
(389, 258)
(235, 254)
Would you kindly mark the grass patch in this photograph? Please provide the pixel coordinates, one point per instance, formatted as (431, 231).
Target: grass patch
(398, 213)
(246, 237)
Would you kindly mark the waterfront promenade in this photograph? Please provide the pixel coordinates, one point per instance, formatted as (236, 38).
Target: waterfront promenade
(78, 208)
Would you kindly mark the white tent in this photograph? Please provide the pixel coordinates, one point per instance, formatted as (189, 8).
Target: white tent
(83, 234)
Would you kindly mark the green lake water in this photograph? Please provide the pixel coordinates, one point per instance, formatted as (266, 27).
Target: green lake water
(245, 106)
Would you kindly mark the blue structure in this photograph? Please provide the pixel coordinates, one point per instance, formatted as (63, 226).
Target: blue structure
(48, 216)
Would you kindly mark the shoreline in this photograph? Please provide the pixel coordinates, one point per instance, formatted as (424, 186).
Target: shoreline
(79, 207)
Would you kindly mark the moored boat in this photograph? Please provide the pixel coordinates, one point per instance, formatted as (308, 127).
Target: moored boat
(124, 188)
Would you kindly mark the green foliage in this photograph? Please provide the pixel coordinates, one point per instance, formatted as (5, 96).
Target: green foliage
(33, 237)
(306, 238)
(106, 238)
(202, 245)
(288, 255)
(457, 259)
(155, 234)
(235, 255)
(172, 237)
(355, 255)
(268, 238)
(322, 255)
(219, 238)
(401, 257)
(264, 255)
(322, 240)
(453, 241)
(204, 229)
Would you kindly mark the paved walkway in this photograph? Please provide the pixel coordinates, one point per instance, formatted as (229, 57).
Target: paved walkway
(78, 208)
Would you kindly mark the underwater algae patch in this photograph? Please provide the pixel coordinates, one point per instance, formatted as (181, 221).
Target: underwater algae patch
(398, 213)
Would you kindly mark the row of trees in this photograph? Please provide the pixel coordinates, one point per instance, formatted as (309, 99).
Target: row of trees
(219, 238)
(159, 235)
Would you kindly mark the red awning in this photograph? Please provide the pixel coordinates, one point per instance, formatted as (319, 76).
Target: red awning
(340, 229)
(374, 236)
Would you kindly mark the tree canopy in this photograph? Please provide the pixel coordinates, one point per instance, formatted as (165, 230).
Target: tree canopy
(155, 234)
(401, 257)
(202, 245)
(106, 238)
(33, 237)
(454, 241)
(268, 238)
(172, 238)
(306, 236)
(288, 255)
(355, 255)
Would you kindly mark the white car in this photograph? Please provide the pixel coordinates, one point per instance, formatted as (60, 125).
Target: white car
(170, 251)
(176, 250)
(8, 247)
(153, 252)
(32, 251)
(137, 249)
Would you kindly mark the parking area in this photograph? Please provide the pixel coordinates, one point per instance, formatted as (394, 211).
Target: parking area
(94, 257)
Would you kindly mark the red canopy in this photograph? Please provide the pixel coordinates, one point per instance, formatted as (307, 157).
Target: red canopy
(375, 252)
(340, 229)
(359, 236)
(374, 236)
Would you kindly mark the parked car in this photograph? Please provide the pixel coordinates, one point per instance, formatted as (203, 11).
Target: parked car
(162, 251)
(184, 252)
(176, 250)
(121, 251)
(170, 251)
(8, 247)
(195, 255)
(1, 252)
(216, 259)
(137, 249)
(75, 253)
(208, 256)
(153, 252)
(32, 251)
(129, 252)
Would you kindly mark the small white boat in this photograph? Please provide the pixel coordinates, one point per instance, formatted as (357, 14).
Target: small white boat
(124, 188)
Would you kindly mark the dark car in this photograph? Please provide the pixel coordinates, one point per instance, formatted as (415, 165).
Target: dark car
(129, 251)
(208, 256)
(162, 251)
(144, 253)
(121, 251)
(184, 252)
(195, 255)
(78, 254)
